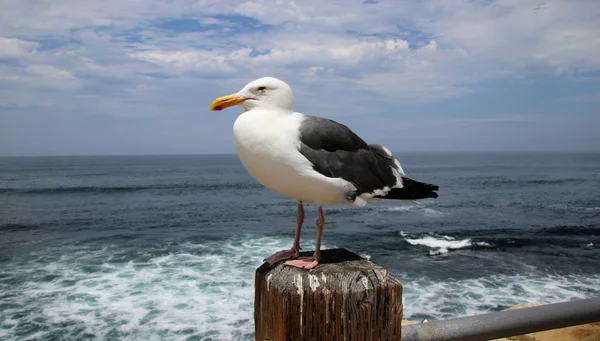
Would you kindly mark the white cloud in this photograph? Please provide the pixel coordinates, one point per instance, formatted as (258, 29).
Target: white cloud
(12, 48)
(49, 72)
(186, 61)
(555, 35)
(390, 51)
(280, 12)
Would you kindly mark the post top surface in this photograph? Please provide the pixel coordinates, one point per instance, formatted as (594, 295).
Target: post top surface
(344, 297)
(337, 268)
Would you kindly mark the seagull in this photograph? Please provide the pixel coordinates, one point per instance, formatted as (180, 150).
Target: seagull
(311, 159)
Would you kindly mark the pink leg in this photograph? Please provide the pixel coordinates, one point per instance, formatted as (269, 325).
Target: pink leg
(311, 262)
(295, 250)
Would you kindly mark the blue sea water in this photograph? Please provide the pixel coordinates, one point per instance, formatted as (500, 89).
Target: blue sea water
(165, 247)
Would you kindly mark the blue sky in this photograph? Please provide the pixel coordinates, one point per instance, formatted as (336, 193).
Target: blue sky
(137, 77)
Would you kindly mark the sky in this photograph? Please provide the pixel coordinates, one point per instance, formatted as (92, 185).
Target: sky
(137, 76)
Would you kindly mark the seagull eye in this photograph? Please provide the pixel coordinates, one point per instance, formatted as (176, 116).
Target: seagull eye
(262, 88)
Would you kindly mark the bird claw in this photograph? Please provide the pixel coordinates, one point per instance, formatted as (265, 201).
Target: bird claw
(281, 255)
(305, 263)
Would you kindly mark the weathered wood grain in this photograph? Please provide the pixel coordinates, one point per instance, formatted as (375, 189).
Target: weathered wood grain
(345, 298)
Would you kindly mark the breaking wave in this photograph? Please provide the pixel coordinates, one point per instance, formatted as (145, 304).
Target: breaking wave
(441, 244)
(562, 236)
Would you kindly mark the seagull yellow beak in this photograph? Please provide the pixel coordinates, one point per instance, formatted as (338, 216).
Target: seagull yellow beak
(226, 102)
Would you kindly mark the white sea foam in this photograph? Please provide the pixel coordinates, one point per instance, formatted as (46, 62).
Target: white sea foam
(424, 298)
(206, 291)
(482, 244)
(440, 244)
(418, 208)
(438, 252)
(365, 256)
(573, 208)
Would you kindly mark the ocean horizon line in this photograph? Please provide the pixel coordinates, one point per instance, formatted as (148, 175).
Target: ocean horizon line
(413, 152)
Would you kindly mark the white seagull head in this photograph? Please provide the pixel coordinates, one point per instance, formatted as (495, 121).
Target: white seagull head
(263, 93)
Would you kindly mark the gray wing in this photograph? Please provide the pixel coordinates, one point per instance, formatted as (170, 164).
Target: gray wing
(337, 152)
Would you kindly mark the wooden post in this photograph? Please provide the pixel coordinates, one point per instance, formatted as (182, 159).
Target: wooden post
(345, 297)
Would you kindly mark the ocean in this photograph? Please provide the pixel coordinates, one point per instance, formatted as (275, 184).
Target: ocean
(165, 247)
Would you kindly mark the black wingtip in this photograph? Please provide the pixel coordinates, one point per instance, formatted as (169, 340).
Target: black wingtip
(412, 190)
